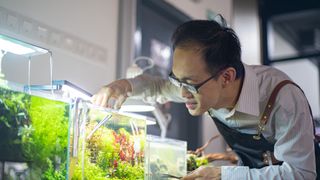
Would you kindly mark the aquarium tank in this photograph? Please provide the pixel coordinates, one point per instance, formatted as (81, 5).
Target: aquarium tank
(165, 158)
(46, 137)
(50, 139)
(33, 136)
(107, 144)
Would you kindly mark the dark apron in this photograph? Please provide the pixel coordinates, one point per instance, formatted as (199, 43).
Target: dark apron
(250, 151)
(254, 150)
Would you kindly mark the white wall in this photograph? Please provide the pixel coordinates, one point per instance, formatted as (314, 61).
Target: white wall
(85, 53)
(197, 9)
(245, 22)
(306, 75)
(241, 15)
(303, 71)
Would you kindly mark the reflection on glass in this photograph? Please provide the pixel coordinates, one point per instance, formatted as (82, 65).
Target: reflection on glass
(294, 34)
(110, 145)
(36, 142)
(165, 158)
(34, 136)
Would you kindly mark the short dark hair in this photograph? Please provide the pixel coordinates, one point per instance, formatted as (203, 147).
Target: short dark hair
(219, 45)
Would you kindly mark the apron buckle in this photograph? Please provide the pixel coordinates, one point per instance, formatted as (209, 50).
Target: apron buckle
(259, 129)
(257, 137)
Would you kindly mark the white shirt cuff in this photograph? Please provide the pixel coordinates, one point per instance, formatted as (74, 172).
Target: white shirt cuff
(234, 172)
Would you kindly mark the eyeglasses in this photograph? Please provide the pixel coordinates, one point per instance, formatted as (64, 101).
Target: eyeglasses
(193, 88)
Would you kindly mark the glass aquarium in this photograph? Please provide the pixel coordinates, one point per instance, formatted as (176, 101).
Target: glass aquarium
(165, 158)
(33, 136)
(52, 139)
(106, 144)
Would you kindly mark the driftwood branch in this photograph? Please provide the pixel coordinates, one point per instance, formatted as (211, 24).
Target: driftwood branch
(227, 156)
(200, 150)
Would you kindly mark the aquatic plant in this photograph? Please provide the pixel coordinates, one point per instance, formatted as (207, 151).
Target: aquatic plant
(34, 130)
(110, 153)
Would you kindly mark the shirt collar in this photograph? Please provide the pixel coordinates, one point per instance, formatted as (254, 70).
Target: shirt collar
(222, 113)
(249, 97)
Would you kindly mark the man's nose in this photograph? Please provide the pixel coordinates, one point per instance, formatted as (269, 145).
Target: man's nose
(185, 93)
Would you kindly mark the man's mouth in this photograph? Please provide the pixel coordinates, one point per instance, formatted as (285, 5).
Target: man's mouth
(191, 105)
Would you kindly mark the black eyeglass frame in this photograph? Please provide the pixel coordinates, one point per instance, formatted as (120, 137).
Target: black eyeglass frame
(193, 88)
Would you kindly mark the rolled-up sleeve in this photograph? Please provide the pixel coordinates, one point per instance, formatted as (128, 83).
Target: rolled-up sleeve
(294, 141)
(154, 89)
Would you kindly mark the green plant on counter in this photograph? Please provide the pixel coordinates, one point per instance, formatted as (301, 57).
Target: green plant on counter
(193, 162)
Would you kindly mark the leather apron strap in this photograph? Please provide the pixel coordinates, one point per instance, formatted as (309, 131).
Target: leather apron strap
(267, 111)
(268, 157)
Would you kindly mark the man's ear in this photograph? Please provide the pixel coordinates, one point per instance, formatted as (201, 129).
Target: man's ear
(228, 75)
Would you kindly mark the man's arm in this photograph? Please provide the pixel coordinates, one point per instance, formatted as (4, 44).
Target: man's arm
(149, 88)
(155, 89)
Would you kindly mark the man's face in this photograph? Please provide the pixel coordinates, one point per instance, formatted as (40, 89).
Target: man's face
(189, 67)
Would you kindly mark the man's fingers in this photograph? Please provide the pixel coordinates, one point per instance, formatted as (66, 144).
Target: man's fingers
(102, 98)
(111, 102)
(103, 101)
(191, 176)
(120, 101)
(108, 92)
(96, 99)
(112, 95)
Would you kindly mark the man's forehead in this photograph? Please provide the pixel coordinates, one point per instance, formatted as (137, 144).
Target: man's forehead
(184, 76)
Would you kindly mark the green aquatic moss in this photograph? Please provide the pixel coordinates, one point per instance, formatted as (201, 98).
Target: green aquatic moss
(50, 123)
(34, 130)
(52, 173)
(13, 115)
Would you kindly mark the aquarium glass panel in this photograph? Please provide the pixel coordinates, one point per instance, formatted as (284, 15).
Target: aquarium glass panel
(165, 158)
(110, 145)
(33, 136)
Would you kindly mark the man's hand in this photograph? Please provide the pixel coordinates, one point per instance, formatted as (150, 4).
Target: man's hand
(204, 173)
(112, 95)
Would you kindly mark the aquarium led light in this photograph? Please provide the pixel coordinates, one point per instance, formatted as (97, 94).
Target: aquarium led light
(68, 89)
(74, 91)
(149, 120)
(15, 46)
(136, 105)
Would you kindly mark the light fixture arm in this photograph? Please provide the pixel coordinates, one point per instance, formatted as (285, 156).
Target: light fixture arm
(134, 70)
(162, 119)
(2, 53)
(145, 58)
(2, 79)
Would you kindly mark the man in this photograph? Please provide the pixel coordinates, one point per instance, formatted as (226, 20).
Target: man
(263, 116)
